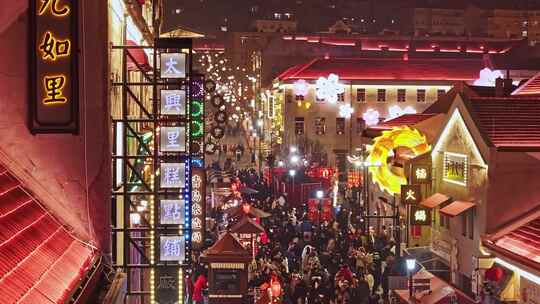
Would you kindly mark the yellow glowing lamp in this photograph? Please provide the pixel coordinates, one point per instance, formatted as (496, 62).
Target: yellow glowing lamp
(299, 103)
(383, 145)
(307, 104)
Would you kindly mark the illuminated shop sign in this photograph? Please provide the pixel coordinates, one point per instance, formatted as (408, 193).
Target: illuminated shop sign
(53, 99)
(198, 203)
(173, 102)
(173, 65)
(455, 168)
(421, 174)
(411, 194)
(172, 212)
(173, 175)
(173, 139)
(420, 216)
(172, 248)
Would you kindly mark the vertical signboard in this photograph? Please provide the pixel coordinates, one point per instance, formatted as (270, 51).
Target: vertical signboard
(53, 98)
(198, 205)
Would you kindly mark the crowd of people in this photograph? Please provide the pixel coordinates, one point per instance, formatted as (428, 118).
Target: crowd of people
(317, 262)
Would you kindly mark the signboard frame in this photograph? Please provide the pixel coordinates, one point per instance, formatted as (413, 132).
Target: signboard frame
(71, 124)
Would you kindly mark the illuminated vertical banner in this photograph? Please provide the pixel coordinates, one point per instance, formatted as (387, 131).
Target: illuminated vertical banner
(53, 98)
(198, 207)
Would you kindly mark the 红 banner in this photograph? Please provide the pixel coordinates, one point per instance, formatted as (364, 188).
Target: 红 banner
(53, 100)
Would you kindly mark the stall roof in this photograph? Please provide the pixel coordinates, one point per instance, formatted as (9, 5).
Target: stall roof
(247, 225)
(457, 207)
(434, 200)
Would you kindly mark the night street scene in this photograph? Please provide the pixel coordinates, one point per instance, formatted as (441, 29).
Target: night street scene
(270, 152)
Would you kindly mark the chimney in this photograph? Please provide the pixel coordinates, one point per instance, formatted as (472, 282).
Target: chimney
(499, 87)
(508, 86)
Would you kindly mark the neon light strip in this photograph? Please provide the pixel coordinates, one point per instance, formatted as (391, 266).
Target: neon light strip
(456, 117)
(529, 276)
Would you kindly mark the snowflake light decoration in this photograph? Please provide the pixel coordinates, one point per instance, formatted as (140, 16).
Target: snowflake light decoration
(488, 77)
(301, 87)
(371, 117)
(329, 88)
(346, 111)
(396, 111)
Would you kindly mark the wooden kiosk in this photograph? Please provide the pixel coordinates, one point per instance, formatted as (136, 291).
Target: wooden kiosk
(228, 262)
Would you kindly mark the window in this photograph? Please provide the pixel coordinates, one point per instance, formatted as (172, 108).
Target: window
(440, 93)
(381, 95)
(340, 125)
(299, 125)
(341, 97)
(471, 223)
(361, 95)
(317, 99)
(464, 217)
(421, 95)
(401, 95)
(444, 220)
(299, 97)
(360, 125)
(320, 125)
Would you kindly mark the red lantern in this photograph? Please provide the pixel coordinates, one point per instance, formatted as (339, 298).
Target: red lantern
(246, 208)
(276, 287)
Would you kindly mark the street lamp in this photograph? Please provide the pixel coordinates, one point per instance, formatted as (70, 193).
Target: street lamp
(319, 194)
(293, 149)
(292, 173)
(280, 163)
(295, 159)
(260, 122)
(411, 265)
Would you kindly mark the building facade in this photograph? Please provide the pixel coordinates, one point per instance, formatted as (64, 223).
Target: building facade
(374, 89)
(479, 168)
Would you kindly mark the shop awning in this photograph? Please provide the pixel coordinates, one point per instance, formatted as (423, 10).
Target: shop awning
(456, 208)
(139, 58)
(434, 200)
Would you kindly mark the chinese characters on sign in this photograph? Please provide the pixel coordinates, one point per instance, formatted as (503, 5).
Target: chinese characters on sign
(420, 216)
(173, 102)
(173, 175)
(173, 139)
(172, 212)
(172, 248)
(53, 102)
(421, 174)
(198, 197)
(410, 194)
(455, 168)
(173, 65)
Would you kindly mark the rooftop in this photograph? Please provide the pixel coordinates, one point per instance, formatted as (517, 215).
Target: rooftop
(519, 240)
(396, 68)
(403, 120)
(529, 88)
(511, 123)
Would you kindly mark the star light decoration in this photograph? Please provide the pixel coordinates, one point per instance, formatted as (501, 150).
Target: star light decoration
(329, 88)
(371, 117)
(488, 77)
(301, 87)
(233, 83)
(346, 111)
(396, 111)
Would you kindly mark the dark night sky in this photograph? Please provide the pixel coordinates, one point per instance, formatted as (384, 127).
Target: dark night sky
(313, 15)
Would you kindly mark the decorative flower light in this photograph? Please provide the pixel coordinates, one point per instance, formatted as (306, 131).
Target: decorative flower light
(346, 111)
(301, 87)
(329, 88)
(488, 77)
(396, 111)
(371, 117)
